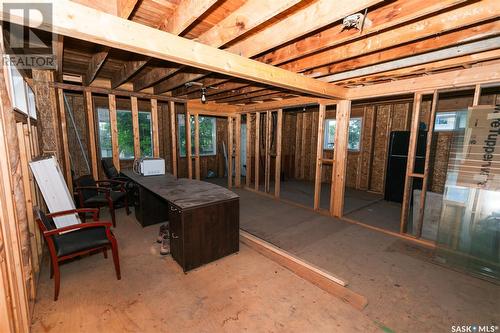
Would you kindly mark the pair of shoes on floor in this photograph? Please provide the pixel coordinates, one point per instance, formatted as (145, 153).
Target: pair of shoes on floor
(164, 239)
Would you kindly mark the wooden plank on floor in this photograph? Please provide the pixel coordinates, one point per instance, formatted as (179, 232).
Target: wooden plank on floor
(320, 278)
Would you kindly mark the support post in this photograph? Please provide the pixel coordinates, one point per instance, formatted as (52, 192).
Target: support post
(277, 166)
(340, 158)
(64, 137)
(154, 125)
(114, 131)
(89, 104)
(197, 146)
(229, 152)
(257, 150)
(173, 137)
(410, 165)
(267, 170)
(319, 156)
(248, 163)
(135, 125)
(425, 180)
(237, 151)
(189, 155)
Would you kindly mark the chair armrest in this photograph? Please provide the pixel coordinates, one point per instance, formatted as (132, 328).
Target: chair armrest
(94, 211)
(57, 231)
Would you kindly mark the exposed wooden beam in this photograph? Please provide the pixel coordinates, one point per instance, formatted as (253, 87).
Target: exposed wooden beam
(237, 151)
(429, 67)
(153, 76)
(417, 47)
(89, 106)
(340, 158)
(123, 9)
(382, 18)
(113, 122)
(229, 152)
(287, 103)
(128, 70)
(176, 81)
(186, 13)
(463, 16)
(173, 136)
(250, 15)
(135, 126)
(59, 52)
(267, 169)
(189, 155)
(452, 79)
(277, 165)
(257, 151)
(197, 146)
(248, 162)
(309, 19)
(64, 139)
(71, 19)
(470, 48)
(95, 64)
(155, 129)
(319, 156)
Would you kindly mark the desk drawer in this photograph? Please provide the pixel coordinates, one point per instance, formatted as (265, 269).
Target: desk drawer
(176, 234)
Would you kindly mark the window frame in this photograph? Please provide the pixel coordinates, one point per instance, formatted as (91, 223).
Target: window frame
(181, 117)
(326, 134)
(458, 114)
(106, 109)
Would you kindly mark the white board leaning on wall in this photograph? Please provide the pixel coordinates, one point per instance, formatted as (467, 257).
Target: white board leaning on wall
(55, 192)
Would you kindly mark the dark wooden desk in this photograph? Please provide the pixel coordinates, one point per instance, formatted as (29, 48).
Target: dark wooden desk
(203, 217)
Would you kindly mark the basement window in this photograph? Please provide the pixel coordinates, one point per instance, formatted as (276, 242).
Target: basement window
(355, 127)
(125, 133)
(450, 121)
(208, 135)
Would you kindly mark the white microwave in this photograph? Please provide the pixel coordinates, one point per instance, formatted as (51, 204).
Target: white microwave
(150, 166)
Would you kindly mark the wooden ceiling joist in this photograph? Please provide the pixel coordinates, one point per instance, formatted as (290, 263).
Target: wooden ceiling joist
(307, 20)
(385, 17)
(77, 21)
(458, 78)
(421, 46)
(451, 52)
(460, 17)
(286, 103)
(465, 60)
(129, 69)
(153, 76)
(235, 25)
(123, 9)
(187, 12)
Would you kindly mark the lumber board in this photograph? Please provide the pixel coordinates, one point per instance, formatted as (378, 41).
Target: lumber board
(155, 130)
(257, 150)
(237, 151)
(277, 171)
(319, 156)
(64, 140)
(113, 122)
(89, 105)
(135, 126)
(189, 155)
(173, 137)
(267, 169)
(229, 152)
(197, 146)
(322, 279)
(73, 20)
(248, 166)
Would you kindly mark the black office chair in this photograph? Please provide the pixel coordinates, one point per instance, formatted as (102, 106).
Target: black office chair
(99, 193)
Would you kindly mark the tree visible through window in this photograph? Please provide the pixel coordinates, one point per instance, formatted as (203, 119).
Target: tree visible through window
(355, 128)
(208, 138)
(125, 133)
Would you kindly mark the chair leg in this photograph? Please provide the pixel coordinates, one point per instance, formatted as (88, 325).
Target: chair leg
(51, 270)
(57, 280)
(127, 210)
(105, 252)
(112, 212)
(116, 259)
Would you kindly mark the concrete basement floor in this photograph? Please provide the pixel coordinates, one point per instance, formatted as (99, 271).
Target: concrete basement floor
(406, 290)
(242, 292)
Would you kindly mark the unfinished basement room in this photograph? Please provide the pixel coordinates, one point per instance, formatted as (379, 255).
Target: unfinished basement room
(250, 166)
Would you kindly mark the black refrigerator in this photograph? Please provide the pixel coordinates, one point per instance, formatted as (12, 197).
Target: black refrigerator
(399, 142)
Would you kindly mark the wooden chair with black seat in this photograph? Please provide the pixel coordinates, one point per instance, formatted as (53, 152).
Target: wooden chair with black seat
(75, 240)
(99, 193)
